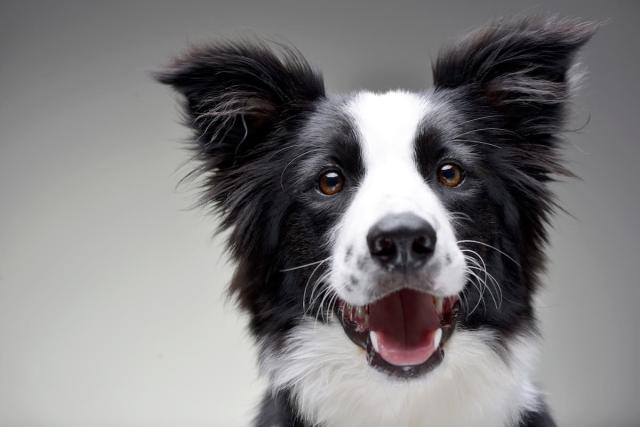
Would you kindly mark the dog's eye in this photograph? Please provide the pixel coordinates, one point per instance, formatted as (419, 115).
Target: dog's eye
(331, 182)
(450, 175)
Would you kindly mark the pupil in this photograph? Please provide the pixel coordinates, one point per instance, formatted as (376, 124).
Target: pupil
(448, 172)
(332, 179)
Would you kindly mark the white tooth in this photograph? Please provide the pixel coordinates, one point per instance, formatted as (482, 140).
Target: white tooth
(360, 312)
(374, 341)
(438, 303)
(437, 338)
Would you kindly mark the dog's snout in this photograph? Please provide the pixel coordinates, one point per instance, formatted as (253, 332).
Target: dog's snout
(402, 241)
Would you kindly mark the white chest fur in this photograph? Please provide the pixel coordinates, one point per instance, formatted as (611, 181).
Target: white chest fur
(334, 386)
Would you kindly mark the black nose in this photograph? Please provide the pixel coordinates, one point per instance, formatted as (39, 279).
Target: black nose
(402, 241)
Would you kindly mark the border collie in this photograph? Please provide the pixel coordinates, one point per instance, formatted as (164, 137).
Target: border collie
(388, 245)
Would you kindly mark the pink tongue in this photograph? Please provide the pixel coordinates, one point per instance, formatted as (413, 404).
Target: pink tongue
(405, 323)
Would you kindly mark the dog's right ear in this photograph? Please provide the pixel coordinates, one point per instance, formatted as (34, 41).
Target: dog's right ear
(237, 93)
(242, 99)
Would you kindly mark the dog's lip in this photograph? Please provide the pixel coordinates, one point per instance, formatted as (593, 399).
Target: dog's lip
(354, 320)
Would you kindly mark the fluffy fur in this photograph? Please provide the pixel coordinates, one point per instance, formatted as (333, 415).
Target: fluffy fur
(264, 130)
(475, 385)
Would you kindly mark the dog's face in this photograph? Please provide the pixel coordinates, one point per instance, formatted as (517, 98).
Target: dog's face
(386, 170)
(372, 229)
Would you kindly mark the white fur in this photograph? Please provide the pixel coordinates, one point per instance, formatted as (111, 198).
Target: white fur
(387, 125)
(334, 386)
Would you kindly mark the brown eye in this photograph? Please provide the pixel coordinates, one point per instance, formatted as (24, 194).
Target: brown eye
(450, 175)
(331, 183)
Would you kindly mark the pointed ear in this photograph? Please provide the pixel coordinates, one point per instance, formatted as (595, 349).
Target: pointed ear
(238, 93)
(521, 67)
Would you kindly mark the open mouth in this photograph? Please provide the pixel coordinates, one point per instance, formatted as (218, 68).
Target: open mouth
(404, 333)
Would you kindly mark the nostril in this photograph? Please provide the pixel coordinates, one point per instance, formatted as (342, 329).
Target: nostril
(422, 245)
(384, 247)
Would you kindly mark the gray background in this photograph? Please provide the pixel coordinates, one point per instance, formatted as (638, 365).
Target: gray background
(111, 290)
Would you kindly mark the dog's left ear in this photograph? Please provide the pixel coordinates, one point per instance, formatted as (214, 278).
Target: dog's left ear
(522, 68)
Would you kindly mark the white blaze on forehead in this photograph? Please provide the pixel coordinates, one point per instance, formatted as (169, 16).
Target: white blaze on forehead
(387, 124)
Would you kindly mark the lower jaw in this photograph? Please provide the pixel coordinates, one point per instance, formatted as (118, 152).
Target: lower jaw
(407, 371)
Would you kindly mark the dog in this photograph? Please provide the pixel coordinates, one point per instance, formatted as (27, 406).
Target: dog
(388, 245)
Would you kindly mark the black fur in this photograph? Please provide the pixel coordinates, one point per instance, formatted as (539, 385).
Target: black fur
(264, 129)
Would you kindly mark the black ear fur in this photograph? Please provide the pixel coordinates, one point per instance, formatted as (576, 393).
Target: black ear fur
(242, 100)
(521, 67)
(238, 92)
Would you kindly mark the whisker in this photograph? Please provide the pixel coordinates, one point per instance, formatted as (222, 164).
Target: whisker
(484, 282)
(332, 305)
(487, 276)
(304, 293)
(304, 265)
(316, 284)
(327, 293)
(310, 308)
(463, 302)
(480, 296)
(491, 247)
(493, 280)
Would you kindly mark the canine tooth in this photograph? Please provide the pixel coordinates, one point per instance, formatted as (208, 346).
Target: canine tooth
(438, 303)
(360, 312)
(374, 341)
(437, 338)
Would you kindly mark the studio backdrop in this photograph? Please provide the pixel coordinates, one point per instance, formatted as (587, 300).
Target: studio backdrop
(112, 288)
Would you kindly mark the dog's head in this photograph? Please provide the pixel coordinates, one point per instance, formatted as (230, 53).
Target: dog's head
(395, 215)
